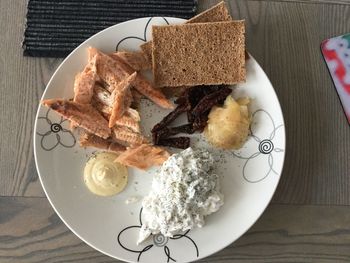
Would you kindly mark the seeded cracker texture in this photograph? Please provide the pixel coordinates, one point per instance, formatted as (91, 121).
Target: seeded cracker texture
(147, 50)
(216, 13)
(199, 54)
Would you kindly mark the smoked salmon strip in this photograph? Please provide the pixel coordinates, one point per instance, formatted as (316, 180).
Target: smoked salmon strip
(113, 70)
(110, 71)
(124, 134)
(90, 140)
(84, 83)
(122, 99)
(82, 115)
(127, 121)
(137, 60)
(92, 51)
(143, 86)
(143, 156)
(134, 114)
(101, 107)
(102, 101)
(103, 95)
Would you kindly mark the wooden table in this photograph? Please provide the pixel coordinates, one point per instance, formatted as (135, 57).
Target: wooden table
(309, 217)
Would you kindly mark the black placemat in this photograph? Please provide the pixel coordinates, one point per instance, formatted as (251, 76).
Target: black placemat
(55, 27)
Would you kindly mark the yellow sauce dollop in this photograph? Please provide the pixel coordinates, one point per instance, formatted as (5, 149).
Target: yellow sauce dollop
(103, 176)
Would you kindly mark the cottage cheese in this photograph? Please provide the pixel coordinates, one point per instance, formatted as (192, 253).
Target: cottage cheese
(183, 192)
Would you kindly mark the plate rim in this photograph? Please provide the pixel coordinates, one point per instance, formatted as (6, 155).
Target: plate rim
(51, 202)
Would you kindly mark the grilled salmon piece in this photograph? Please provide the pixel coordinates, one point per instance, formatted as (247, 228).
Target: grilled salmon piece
(90, 140)
(127, 121)
(103, 95)
(143, 86)
(126, 135)
(103, 103)
(92, 51)
(110, 70)
(84, 83)
(136, 60)
(143, 156)
(113, 70)
(134, 114)
(122, 99)
(83, 115)
(101, 107)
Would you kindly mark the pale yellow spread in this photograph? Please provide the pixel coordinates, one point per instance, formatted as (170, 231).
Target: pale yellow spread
(103, 176)
(228, 126)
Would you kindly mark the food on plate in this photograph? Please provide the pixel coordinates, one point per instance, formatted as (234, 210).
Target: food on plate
(145, 87)
(137, 59)
(103, 97)
(104, 94)
(166, 132)
(147, 50)
(175, 142)
(84, 83)
(128, 121)
(134, 114)
(184, 191)
(122, 99)
(82, 115)
(137, 97)
(228, 126)
(109, 70)
(104, 109)
(214, 56)
(171, 92)
(103, 176)
(126, 135)
(112, 70)
(90, 140)
(143, 156)
(102, 100)
(216, 13)
(210, 100)
(171, 117)
(196, 102)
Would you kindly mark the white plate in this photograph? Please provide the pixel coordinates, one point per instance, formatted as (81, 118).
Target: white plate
(249, 176)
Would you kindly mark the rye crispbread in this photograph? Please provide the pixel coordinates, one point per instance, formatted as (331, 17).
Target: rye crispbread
(147, 50)
(217, 13)
(199, 54)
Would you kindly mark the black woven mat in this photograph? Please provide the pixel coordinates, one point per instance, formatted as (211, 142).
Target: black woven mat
(55, 27)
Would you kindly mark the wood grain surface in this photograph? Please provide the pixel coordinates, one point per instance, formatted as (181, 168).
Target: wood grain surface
(285, 233)
(286, 44)
(22, 82)
(285, 39)
(333, 2)
(309, 220)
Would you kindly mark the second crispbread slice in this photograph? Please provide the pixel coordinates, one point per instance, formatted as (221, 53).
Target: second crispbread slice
(216, 13)
(199, 54)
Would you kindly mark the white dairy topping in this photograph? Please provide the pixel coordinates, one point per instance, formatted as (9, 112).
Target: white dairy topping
(183, 192)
